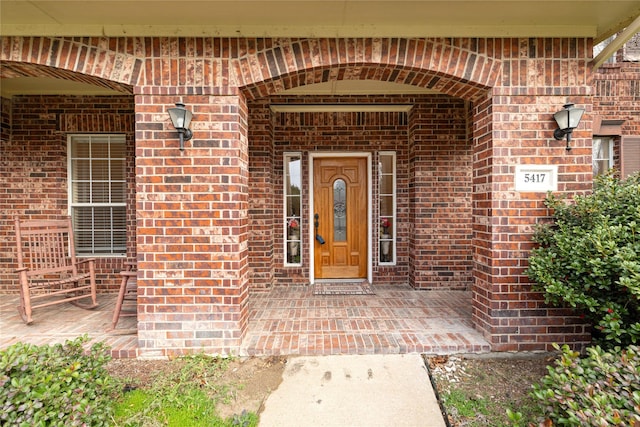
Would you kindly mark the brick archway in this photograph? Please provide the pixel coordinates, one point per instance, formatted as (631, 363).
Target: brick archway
(220, 66)
(438, 65)
(443, 66)
(12, 69)
(86, 60)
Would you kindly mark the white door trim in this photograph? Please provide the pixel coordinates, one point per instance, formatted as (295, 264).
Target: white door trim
(312, 231)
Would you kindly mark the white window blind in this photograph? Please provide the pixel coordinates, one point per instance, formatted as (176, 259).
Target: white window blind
(97, 193)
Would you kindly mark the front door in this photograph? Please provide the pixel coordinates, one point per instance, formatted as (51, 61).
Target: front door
(340, 213)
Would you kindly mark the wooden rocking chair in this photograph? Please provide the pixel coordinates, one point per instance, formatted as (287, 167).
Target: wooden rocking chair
(48, 268)
(127, 302)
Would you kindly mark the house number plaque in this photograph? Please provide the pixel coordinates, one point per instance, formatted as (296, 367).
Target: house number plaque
(536, 178)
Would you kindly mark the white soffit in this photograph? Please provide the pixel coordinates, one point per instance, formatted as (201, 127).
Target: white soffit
(340, 108)
(358, 87)
(49, 86)
(318, 18)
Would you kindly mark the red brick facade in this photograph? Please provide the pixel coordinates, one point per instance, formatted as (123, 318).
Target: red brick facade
(617, 89)
(433, 178)
(34, 167)
(207, 220)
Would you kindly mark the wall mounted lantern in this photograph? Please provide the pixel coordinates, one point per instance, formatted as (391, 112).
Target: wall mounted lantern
(181, 119)
(568, 119)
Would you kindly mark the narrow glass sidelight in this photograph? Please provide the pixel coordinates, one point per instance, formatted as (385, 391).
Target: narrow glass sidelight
(339, 211)
(387, 207)
(293, 208)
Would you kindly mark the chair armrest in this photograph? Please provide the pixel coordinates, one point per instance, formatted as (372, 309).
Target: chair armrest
(83, 260)
(129, 273)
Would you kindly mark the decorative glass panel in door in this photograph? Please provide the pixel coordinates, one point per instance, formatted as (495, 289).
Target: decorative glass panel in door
(339, 211)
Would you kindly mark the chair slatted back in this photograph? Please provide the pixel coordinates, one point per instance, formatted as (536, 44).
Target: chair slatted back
(45, 246)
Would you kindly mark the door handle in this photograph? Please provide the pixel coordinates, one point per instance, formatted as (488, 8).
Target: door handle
(316, 224)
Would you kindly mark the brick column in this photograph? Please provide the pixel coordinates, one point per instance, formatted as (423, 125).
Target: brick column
(192, 226)
(512, 130)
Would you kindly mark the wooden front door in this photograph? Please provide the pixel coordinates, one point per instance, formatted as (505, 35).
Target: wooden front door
(340, 211)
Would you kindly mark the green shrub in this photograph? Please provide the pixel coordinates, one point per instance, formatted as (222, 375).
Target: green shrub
(589, 258)
(602, 389)
(59, 385)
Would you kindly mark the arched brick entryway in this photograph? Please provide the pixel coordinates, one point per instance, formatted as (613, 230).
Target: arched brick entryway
(460, 77)
(446, 67)
(204, 278)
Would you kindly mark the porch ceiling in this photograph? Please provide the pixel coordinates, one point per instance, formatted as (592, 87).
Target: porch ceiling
(318, 18)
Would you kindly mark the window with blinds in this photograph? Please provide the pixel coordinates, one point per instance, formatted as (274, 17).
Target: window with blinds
(97, 193)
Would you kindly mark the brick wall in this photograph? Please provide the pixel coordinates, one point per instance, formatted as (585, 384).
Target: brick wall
(440, 158)
(512, 87)
(617, 97)
(262, 199)
(437, 162)
(33, 168)
(192, 208)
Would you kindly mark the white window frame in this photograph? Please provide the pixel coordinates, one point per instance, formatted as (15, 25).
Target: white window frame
(394, 214)
(286, 216)
(111, 250)
(610, 161)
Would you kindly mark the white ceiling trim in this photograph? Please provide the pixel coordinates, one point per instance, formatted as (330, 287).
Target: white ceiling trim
(340, 108)
(318, 18)
(406, 31)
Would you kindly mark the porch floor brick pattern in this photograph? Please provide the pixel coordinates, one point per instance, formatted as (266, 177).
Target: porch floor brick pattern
(56, 324)
(286, 321)
(397, 319)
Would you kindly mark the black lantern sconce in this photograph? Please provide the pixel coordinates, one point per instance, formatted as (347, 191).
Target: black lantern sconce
(568, 119)
(181, 119)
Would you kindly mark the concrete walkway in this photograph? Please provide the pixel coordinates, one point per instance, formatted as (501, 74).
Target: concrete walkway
(354, 390)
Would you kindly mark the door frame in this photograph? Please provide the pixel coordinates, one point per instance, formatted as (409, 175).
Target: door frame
(312, 238)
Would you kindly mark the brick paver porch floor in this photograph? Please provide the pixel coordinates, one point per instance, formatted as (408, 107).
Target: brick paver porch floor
(397, 319)
(287, 320)
(58, 323)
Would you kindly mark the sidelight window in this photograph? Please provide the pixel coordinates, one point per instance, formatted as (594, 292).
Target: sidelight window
(293, 204)
(387, 207)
